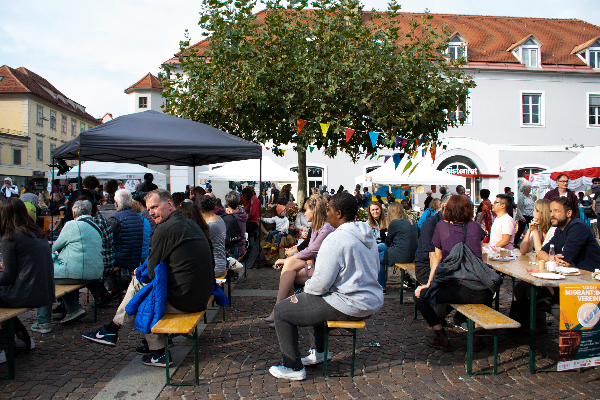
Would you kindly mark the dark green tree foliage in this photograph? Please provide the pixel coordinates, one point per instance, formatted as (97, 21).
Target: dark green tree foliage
(333, 63)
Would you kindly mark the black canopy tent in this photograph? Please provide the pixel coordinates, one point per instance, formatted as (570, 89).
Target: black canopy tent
(152, 137)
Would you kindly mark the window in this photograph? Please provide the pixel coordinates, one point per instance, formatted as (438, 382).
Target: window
(594, 58)
(52, 147)
(457, 47)
(315, 175)
(40, 116)
(594, 110)
(143, 102)
(528, 53)
(532, 109)
(459, 115)
(63, 123)
(82, 127)
(16, 156)
(530, 57)
(73, 127)
(1, 77)
(53, 120)
(455, 51)
(39, 150)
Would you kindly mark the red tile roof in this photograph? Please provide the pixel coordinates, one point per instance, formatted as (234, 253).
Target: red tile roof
(22, 80)
(147, 82)
(489, 37)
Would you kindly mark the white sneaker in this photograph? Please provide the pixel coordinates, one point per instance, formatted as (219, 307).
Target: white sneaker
(288, 373)
(315, 358)
(20, 343)
(41, 328)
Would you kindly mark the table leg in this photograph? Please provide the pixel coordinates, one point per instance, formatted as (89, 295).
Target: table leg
(401, 286)
(532, 312)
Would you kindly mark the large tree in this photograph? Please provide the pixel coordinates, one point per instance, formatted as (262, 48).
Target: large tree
(333, 63)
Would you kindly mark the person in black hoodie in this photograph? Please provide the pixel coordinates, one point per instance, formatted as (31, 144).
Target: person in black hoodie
(147, 185)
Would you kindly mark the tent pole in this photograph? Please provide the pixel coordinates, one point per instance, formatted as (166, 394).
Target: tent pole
(79, 171)
(194, 179)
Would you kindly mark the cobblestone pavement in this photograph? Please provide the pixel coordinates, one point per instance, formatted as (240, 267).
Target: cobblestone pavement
(235, 356)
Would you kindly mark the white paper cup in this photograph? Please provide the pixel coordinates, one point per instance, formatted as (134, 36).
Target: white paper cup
(551, 266)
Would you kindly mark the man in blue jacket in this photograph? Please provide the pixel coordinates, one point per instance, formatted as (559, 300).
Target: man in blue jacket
(182, 245)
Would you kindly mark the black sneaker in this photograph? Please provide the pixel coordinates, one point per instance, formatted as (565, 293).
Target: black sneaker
(143, 347)
(157, 360)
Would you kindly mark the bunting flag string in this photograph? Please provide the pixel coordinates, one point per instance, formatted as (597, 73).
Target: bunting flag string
(408, 164)
(311, 148)
(349, 133)
(372, 157)
(366, 155)
(374, 136)
(397, 157)
(324, 128)
(301, 124)
(386, 158)
(404, 141)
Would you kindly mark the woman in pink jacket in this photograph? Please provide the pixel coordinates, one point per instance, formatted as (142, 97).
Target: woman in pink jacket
(299, 267)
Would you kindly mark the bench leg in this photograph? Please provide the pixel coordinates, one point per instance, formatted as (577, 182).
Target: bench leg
(498, 299)
(495, 352)
(167, 355)
(95, 302)
(205, 320)
(10, 349)
(353, 352)
(470, 333)
(415, 303)
(513, 288)
(196, 372)
(326, 351)
(401, 286)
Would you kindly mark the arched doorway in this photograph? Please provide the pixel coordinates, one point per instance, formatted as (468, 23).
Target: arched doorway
(464, 166)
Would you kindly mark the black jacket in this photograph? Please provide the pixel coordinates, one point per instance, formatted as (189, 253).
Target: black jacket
(190, 273)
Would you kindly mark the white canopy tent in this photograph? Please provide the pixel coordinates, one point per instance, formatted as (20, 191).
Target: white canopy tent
(120, 171)
(580, 170)
(424, 174)
(249, 170)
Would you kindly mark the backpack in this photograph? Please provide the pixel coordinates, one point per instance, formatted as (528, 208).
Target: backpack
(586, 203)
(233, 233)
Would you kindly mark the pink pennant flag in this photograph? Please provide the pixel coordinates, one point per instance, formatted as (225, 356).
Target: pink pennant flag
(366, 155)
(404, 141)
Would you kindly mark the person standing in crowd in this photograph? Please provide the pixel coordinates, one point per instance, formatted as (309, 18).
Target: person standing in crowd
(562, 190)
(183, 246)
(188, 192)
(484, 216)
(232, 206)
(524, 211)
(44, 203)
(79, 260)
(22, 190)
(401, 239)
(56, 186)
(147, 185)
(378, 222)
(596, 193)
(511, 207)
(407, 198)
(263, 198)
(425, 254)
(128, 234)
(111, 188)
(448, 284)
(90, 184)
(367, 197)
(197, 191)
(343, 287)
(137, 208)
(30, 197)
(502, 233)
(443, 191)
(358, 197)
(434, 206)
(286, 193)
(27, 279)
(141, 198)
(252, 206)
(58, 204)
(428, 198)
(274, 198)
(341, 189)
(217, 231)
(8, 189)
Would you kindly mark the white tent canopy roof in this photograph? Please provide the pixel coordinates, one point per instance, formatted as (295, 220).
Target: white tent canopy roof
(120, 171)
(424, 174)
(581, 169)
(249, 170)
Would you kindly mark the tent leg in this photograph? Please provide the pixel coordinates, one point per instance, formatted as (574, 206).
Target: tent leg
(194, 178)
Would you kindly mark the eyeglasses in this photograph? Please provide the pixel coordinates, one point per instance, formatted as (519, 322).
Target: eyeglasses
(563, 181)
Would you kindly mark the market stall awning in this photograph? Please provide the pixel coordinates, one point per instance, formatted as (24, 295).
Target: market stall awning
(152, 137)
(122, 171)
(581, 170)
(424, 174)
(249, 170)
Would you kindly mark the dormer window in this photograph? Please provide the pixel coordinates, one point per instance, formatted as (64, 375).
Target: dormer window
(593, 55)
(527, 51)
(457, 48)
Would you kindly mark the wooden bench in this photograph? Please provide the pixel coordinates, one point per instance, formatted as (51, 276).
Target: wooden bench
(349, 325)
(61, 290)
(479, 317)
(182, 325)
(8, 315)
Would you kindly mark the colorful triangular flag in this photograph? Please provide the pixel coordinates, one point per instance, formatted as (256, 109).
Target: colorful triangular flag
(301, 124)
(283, 151)
(432, 153)
(397, 158)
(378, 157)
(413, 168)
(366, 155)
(386, 158)
(361, 153)
(373, 136)
(408, 164)
(349, 133)
(398, 139)
(404, 141)
(418, 141)
(311, 148)
(324, 128)
(372, 157)
(268, 148)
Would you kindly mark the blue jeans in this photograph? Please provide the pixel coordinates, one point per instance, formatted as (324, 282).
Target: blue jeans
(381, 247)
(278, 238)
(71, 300)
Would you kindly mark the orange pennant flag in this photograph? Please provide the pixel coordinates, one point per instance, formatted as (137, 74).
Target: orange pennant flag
(417, 142)
(349, 133)
(432, 153)
(301, 124)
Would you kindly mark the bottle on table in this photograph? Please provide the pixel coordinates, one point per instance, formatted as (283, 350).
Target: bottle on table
(552, 254)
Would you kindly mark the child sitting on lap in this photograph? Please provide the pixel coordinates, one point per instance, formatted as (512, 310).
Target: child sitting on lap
(282, 225)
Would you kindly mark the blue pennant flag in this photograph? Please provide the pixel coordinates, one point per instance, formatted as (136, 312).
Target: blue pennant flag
(397, 157)
(374, 136)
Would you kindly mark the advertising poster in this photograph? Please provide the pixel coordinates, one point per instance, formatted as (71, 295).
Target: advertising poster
(579, 344)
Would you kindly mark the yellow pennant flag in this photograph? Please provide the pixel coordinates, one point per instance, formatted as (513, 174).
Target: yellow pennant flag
(283, 151)
(324, 129)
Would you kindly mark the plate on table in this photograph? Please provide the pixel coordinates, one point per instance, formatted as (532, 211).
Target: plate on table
(568, 271)
(547, 275)
(501, 259)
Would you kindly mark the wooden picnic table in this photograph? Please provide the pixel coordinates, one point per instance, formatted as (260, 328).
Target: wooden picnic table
(518, 269)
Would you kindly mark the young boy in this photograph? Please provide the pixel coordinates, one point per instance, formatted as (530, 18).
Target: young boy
(282, 225)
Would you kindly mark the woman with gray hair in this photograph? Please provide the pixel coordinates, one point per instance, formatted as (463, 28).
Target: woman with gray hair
(77, 255)
(524, 214)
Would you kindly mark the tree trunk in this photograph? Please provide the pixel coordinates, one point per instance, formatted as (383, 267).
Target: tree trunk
(302, 179)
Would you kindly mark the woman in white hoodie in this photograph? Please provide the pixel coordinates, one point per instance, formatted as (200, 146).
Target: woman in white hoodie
(343, 287)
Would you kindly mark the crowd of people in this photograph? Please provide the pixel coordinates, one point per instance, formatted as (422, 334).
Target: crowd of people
(336, 268)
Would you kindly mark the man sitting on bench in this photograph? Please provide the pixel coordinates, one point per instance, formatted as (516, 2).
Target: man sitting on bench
(181, 243)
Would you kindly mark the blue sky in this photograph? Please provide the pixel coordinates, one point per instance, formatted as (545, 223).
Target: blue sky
(92, 51)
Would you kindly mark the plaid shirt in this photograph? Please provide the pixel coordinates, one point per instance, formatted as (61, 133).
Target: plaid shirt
(108, 249)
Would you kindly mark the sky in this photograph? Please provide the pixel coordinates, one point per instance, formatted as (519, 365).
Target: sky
(92, 51)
